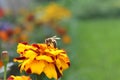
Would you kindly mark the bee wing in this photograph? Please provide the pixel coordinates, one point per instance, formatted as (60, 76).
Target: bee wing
(55, 37)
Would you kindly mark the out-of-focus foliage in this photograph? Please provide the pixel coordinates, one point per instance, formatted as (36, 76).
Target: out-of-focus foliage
(94, 8)
(96, 54)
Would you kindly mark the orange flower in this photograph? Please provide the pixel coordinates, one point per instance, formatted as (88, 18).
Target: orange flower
(1, 63)
(12, 77)
(23, 37)
(66, 39)
(38, 58)
(6, 35)
(3, 35)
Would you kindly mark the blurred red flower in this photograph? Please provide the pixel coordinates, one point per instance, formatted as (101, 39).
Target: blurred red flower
(1, 12)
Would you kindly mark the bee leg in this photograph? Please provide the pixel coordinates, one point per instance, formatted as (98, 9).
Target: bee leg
(54, 44)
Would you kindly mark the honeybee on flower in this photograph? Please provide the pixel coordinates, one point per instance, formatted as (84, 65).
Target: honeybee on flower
(43, 58)
(52, 41)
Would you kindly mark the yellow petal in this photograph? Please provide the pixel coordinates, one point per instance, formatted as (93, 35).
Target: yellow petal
(24, 64)
(57, 52)
(26, 78)
(64, 58)
(64, 65)
(59, 65)
(30, 54)
(20, 48)
(22, 78)
(30, 47)
(50, 71)
(53, 51)
(12, 77)
(37, 66)
(44, 57)
(64, 54)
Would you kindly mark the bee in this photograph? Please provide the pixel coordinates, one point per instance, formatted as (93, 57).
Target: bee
(52, 41)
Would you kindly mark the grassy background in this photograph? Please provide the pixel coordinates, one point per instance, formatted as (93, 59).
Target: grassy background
(95, 51)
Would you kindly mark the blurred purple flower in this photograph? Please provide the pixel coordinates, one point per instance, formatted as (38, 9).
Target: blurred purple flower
(5, 26)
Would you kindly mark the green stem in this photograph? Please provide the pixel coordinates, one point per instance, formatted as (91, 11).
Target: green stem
(5, 71)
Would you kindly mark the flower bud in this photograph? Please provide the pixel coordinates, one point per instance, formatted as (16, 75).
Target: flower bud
(4, 57)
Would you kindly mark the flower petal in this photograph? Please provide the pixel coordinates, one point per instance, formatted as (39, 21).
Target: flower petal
(44, 57)
(59, 65)
(30, 54)
(12, 77)
(50, 71)
(26, 62)
(64, 65)
(54, 51)
(64, 58)
(19, 59)
(37, 66)
(20, 48)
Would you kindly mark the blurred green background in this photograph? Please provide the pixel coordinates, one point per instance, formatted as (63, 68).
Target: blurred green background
(95, 50)
(94, 28)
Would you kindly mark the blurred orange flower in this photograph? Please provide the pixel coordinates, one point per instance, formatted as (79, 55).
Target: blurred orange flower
(1, 63)
(3, 35)
(66, 39)
(54, 12)
(23, 37)
(38, 58)
(12, 77)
